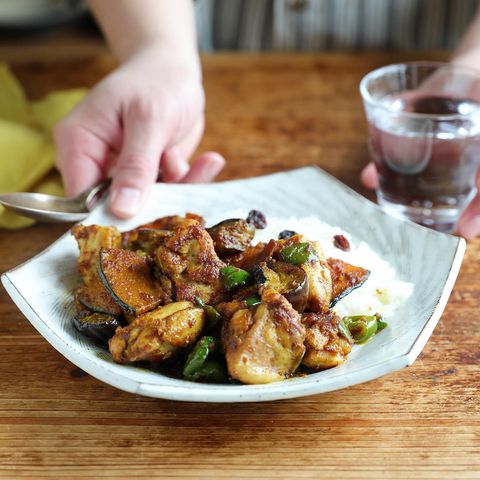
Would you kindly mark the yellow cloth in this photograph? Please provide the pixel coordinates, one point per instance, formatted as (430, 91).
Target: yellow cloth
(27, 152)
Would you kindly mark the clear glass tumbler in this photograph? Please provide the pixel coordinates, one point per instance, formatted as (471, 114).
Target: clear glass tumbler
(424, 125)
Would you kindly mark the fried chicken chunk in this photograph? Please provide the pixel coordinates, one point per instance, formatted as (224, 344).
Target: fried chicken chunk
(167, 223)
(159, 334)
(91, 239)
(189, 260)
(319, 281)
(265, 345)
(325, 348)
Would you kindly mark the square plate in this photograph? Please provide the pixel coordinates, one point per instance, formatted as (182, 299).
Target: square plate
(42, 287)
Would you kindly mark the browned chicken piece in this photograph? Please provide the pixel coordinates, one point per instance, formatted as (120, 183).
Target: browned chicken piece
(188, 258)
(194, 216)
(228, 309)
(318, 274)
(253, 255)
(159, 334)
(169, 222)
(319, 281)
(345, 278)
(264, 345)
(91, 239)
(325, 348)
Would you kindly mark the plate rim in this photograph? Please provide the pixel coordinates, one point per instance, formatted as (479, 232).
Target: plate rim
(243, 393)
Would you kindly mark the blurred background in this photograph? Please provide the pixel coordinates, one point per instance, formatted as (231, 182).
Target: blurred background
(254, 25)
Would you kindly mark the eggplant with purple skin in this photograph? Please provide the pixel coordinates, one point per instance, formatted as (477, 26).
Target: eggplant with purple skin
(99, 326)
(129, 280)
(95, 298)
(231, 236)
(289, 280)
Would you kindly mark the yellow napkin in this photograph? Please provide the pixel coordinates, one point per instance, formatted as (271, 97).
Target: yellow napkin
(27, 151)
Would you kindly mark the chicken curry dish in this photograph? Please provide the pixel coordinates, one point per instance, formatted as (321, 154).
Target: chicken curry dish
(212, 306)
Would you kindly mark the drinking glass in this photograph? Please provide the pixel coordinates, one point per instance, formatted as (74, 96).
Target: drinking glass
(424, 127)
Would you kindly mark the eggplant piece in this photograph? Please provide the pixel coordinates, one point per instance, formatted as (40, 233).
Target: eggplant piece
(80, 309)
(129, 280)
(345, 278)
(231, 236)
(289, 280)
(159, 334)
(96, 298)
(99, 326)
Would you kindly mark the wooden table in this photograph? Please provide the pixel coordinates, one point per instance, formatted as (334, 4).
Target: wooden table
(265, 114)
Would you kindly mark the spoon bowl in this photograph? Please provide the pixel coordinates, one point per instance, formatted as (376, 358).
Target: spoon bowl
(50, 208)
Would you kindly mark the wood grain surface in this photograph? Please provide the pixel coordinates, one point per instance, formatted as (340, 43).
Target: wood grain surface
(265, 114)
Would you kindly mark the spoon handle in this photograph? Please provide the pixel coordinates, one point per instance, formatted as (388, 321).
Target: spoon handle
(93, 194)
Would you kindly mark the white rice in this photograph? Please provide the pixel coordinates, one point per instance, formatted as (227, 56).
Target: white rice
(382, 293)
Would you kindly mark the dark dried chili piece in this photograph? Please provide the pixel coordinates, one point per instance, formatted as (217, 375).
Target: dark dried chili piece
(341, 242)
(257, 219)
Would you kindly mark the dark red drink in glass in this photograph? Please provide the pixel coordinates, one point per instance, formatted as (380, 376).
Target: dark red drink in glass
(425, 143)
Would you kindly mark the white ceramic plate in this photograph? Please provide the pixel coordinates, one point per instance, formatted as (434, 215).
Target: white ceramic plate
(42, 287)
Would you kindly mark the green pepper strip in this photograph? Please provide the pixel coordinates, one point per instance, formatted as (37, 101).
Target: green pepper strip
(197, 356)
(213, 316)
(381, 323)
(252, 302)
(361, 327)
(234, 277)
(298, 253)
(344, 331)
(210, 371)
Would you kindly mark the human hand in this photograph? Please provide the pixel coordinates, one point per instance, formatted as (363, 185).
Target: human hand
(139, 124)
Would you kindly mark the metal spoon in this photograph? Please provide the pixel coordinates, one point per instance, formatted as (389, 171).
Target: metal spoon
(50, 208)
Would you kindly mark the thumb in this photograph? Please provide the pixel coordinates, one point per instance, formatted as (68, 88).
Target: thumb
(136, 168)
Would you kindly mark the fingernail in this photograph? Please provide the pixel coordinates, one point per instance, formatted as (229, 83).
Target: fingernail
(126, 201)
